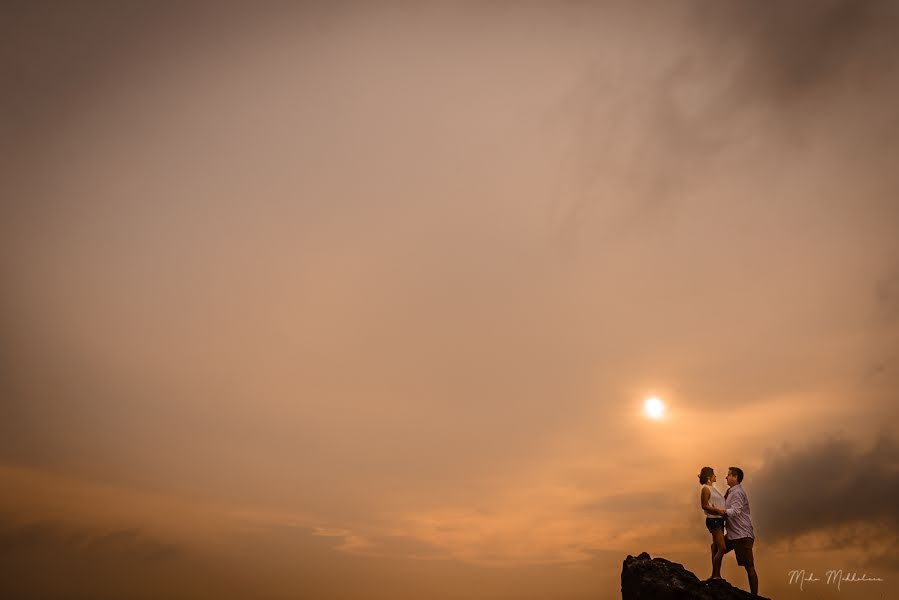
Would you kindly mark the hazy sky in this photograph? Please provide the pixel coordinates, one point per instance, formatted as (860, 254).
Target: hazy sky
(363, 300)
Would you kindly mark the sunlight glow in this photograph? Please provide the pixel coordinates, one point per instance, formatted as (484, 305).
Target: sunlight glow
(654, 408)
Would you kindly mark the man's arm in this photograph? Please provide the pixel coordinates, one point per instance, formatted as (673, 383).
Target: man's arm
(735, 507)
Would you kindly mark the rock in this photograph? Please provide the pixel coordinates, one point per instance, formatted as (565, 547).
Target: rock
(647, 578)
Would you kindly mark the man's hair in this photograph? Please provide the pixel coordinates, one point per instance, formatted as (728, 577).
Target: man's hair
(705, 474)
(738, 472)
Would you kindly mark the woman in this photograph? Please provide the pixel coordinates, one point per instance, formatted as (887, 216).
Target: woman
(712, 503)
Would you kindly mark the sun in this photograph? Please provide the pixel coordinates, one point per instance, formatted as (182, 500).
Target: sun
(654, 408)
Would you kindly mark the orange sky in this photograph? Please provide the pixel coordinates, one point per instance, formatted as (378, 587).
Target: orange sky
(363, 302)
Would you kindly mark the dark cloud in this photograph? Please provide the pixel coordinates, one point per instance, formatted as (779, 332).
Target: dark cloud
(53, 53)
(725, 85)
(18, 538)
(50, 558)
(792, 50)
(835, 488)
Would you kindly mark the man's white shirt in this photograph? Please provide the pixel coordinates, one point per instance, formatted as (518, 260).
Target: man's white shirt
(736, 504)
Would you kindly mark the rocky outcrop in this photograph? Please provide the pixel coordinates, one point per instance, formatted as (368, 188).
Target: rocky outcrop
(647, 578)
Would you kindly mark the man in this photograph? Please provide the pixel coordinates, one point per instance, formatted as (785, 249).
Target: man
(739, 536)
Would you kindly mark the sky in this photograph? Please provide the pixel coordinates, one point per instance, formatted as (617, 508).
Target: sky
(363, 300)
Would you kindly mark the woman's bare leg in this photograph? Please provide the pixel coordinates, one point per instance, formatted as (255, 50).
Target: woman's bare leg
(718, 548)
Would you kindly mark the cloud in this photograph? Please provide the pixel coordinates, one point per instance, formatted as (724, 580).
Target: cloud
(51, 558)
(833, 492)
(129, 543)
(713, 99)
(792, 50)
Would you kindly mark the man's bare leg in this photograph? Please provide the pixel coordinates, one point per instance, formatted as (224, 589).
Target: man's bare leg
(753, 580)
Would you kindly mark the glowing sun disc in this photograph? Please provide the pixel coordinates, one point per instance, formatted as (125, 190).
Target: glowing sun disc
(654, 408)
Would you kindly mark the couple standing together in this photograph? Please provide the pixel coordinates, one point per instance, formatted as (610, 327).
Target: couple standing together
(730, 511)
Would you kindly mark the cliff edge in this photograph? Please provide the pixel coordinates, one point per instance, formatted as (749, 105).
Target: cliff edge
(647, 578)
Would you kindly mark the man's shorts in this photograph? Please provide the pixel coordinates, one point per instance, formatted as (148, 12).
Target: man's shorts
(742, 547)
(713, 524)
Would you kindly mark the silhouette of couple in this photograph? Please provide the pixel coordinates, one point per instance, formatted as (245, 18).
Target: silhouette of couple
(730, 512)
